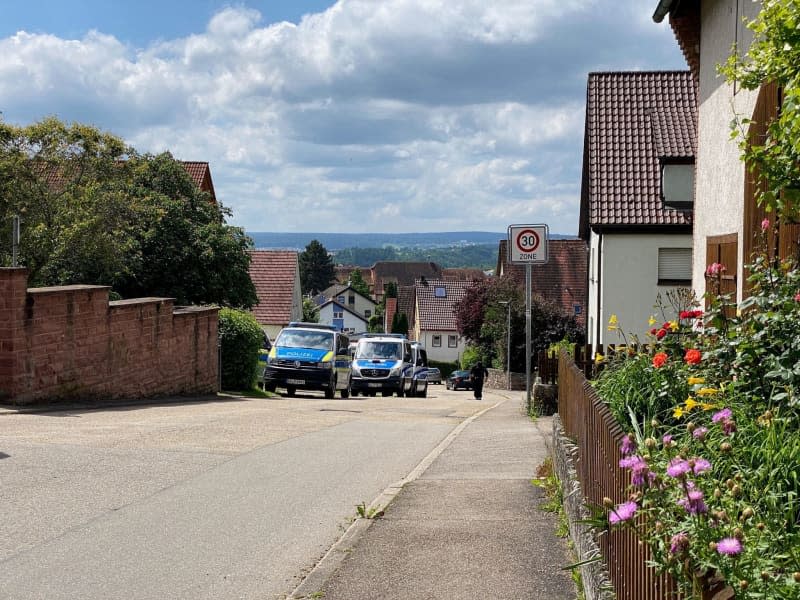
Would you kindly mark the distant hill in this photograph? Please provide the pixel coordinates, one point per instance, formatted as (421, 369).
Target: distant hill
(334, 242)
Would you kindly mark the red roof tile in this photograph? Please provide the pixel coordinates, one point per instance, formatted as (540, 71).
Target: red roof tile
(562, 280)
(200, 173)
(463, 274)
(274, 274)
(436, 312)
(631, 120)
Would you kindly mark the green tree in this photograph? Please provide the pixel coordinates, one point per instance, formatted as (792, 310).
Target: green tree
(316, 268)
(774, 56)
(400, 323)
(358, 284)
(375, 324)
(96, 212)
(310, 311)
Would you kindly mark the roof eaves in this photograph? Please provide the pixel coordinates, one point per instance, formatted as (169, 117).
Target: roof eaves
(661, 10)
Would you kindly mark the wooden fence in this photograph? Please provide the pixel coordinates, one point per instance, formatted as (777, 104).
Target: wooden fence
(584, 357)
(589, 423)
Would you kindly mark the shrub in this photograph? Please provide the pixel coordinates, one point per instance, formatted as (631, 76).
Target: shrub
(445, 367)
(241, 337)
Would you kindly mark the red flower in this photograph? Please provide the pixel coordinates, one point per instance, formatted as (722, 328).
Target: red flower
(693, 357)
(660, 359)
(666, 325)
(685, 314)
(661, 333)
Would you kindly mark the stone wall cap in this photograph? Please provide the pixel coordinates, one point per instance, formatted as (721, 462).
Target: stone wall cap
(60, 289)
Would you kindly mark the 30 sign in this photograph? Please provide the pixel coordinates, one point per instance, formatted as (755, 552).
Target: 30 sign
(527, 244)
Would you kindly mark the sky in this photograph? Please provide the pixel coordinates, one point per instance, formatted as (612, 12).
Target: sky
(349, 116)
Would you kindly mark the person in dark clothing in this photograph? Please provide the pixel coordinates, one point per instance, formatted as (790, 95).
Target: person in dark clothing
(476, 375)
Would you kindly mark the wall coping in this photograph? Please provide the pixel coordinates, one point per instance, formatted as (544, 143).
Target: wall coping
(60, 289)
(135, 301)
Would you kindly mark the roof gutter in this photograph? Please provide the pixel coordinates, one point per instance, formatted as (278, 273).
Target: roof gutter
(662, 9)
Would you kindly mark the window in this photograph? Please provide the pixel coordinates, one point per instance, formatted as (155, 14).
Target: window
(338, 314)
(452, 341)
(367, 313)
(674, 266)
(351, 299)
(440, 291)
(340, 299)
(436, 340)
(677, 183)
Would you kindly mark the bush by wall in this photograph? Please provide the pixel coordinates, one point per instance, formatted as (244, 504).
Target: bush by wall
(445, 367)
(240, 336)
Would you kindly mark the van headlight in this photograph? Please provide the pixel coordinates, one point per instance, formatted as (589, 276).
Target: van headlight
(355, 370)
(396, 371)
(328, 364)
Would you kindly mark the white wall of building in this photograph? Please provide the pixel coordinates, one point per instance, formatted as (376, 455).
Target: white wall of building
(628, 285)
(720, 173)
(351, 321)
(443, 353)
(361, 305)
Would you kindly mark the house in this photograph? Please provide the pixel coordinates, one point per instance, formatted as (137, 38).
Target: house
(276, 277)
(400, 273)
(388, 314)
(727, 219)
(637, 125)
(200, 173)
(561, 280)
(406, 303)
(463, 274)
(356, 302)
(332, 312)
(435, 318)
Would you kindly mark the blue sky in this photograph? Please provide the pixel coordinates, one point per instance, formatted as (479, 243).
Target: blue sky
(348, 116)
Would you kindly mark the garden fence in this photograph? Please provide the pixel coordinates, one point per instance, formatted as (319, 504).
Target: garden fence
(583, 356)
(592, 427)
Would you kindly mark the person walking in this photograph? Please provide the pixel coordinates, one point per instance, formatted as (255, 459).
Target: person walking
(477, 375)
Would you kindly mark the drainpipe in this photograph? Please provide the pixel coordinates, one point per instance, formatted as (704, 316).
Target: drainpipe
(662, 9)
(599, 288)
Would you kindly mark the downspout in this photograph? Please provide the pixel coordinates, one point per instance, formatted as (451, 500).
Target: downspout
(662, 9)
(599, 287)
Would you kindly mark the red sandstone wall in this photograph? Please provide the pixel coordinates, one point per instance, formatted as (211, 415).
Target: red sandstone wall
(70, 342)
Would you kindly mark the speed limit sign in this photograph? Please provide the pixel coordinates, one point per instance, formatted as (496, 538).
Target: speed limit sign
(527, 244)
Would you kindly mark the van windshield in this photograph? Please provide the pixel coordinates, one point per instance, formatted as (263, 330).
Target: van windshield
(373, 350)
(300, 338)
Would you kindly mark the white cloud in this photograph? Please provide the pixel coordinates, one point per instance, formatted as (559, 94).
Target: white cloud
(402, 115)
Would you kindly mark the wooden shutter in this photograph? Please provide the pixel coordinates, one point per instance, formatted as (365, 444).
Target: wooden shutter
(724, 249)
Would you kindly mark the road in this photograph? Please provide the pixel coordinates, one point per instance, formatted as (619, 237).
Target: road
(230, 498)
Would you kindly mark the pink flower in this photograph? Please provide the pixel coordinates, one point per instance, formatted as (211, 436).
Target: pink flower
(628, 445)
(693, 503)
(730, 546)
(729, 426)
(721, 415)
(679, 543)
(700, 433)
(678, 467)
(715, 269)
(797, 297)
(764, 224)
(622, 512)
(667, 440)
(699, 465)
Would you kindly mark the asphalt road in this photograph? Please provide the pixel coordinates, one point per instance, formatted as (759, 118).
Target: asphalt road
(231, 498)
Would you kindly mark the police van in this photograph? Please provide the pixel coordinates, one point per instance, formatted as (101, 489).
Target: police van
(309, 356)
(388, 364)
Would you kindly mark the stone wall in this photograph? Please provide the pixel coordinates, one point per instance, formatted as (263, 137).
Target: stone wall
(71, 343)
(498, 380)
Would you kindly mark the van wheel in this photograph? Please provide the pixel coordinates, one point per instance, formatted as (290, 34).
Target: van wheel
(345, 392)
(291, 391)
(329, 393)
(386, 394)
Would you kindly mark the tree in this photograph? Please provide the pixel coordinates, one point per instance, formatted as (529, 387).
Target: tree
(96, 212)
(375, 324)
(358, 284)
(316, 268)
(400, 323)
(483, 321)
(310, 311)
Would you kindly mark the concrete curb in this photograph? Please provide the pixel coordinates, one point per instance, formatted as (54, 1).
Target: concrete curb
(324, 569)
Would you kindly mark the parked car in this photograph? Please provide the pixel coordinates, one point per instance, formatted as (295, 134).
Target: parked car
(433, 375)
(459, 380)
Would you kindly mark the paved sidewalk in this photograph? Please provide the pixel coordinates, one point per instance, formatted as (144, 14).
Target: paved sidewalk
(464, 526)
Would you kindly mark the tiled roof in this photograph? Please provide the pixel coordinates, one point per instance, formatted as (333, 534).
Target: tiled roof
(463, 274)
(334, 303)
(389, 312)
(405, 303)
(563, 279)
(201, 175)
(403, 273)
(632, 119)
(274, 274)
(437, 313)
(338, 288)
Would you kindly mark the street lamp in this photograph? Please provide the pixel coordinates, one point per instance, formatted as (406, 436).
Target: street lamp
(507, 303)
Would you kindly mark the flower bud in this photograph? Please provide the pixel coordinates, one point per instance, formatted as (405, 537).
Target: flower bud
(729, 483)
(760, 526)
(650, 443)
(747, 513)
(796, 576)
(690, 426)
(738, 534)
(725, 447)
(765, 575)
(654, 424)
(712, 546)
(736, 491)
(608, 502)
(743, 584)
(659, 527)
(717, 493)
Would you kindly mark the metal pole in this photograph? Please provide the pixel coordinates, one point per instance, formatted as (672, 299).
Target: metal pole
(528, 333)
(14, 241)
(508, 348)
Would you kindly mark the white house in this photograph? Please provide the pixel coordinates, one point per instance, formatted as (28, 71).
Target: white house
(358, 303)
(727, 220)
(341, 317)
(435, 319)
(640, 131)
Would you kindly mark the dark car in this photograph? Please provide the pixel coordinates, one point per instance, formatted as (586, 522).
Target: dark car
(459, 380)
(433, 375)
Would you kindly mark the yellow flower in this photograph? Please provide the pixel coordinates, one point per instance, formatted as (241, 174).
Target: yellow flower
(707, 406)
(612, 323)
(696, 380)
(678, 412)
(706, 391)
(598, 358)
(690, 403)
(651, 321)
(673, 325)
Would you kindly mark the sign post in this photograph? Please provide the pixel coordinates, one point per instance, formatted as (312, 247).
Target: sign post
(527, 244)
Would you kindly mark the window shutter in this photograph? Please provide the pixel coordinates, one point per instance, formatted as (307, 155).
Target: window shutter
(674, 264)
